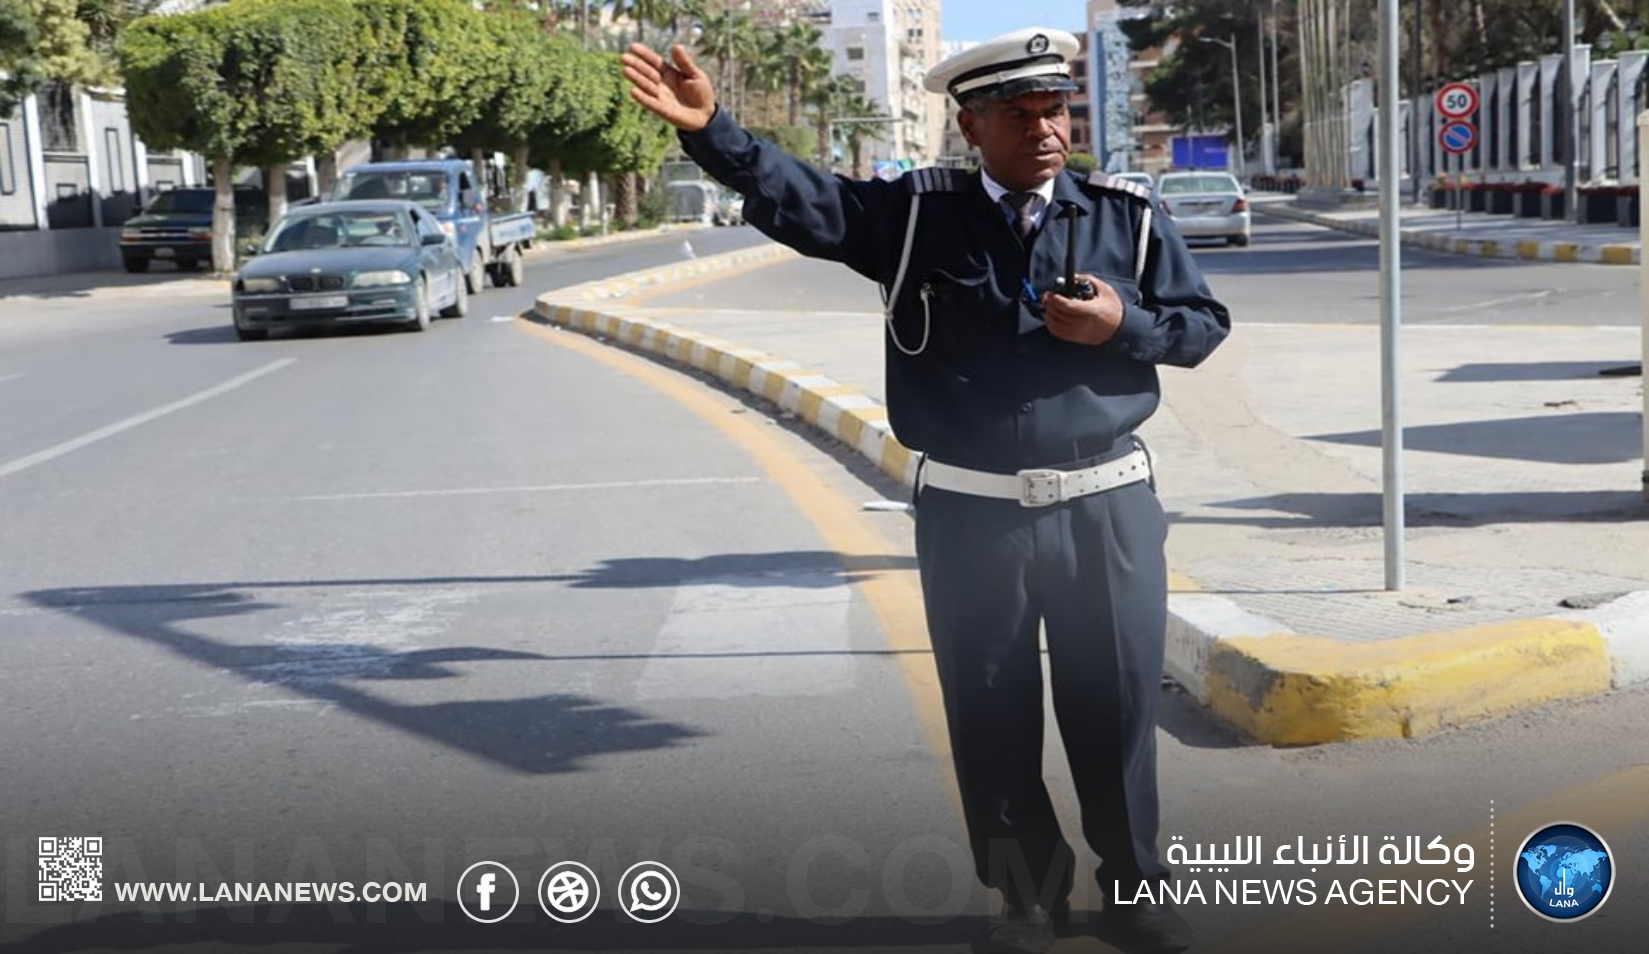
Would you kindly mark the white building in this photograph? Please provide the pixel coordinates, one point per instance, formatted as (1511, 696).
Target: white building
(887, 45)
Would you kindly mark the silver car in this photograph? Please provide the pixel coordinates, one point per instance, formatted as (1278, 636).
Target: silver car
(1208, 205)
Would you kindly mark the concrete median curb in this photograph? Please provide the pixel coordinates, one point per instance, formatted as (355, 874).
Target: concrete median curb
(1591, 253)
(1280, 687)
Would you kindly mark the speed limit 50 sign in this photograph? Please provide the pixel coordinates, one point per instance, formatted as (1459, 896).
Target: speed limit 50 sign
(1457, 100)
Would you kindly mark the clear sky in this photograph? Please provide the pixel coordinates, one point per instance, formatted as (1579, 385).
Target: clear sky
(983, 19)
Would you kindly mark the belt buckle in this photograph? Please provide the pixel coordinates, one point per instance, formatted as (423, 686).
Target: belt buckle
(1041, 487)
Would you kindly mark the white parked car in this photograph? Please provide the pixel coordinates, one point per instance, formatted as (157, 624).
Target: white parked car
(1208, 205)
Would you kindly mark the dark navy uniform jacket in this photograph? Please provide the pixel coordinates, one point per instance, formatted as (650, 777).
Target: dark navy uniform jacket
(988, 387)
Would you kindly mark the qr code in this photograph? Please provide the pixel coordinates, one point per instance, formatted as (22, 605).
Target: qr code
(71, 869)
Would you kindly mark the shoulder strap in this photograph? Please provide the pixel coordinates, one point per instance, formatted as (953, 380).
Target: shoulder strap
(938, 179)
(1113, 184)
(1141, 194)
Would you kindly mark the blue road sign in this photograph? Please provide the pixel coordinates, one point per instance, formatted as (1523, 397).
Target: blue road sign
(1457, 137)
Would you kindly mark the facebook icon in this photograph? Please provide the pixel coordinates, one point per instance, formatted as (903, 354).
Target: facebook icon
(477, 887)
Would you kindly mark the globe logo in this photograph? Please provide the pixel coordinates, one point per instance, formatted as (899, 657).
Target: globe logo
(1564, 871)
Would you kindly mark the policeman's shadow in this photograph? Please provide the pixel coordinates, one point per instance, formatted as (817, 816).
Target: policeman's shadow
(539, 735)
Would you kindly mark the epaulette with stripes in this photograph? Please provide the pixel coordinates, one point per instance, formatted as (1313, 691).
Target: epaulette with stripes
(939, 179)
(1114, 184)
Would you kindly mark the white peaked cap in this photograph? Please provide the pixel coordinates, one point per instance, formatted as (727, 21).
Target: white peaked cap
(1035, 59)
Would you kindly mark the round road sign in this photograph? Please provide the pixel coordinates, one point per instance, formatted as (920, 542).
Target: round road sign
(1457, 100)
(1457, 137)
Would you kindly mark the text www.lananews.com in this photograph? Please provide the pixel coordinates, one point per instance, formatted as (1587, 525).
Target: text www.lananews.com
(279, 893)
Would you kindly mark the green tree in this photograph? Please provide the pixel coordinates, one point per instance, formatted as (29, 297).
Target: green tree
(548, 87)
(622, 139)
(260, 83)
(436, 68)
(19, 38)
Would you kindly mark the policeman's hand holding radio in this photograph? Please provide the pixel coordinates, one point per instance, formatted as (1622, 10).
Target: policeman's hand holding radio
(676, 91)
(1090, 321)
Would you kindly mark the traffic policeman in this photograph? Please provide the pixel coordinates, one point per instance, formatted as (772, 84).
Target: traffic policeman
(1027, 310)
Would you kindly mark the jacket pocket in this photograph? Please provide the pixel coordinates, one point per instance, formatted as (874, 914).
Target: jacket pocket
(955, 308)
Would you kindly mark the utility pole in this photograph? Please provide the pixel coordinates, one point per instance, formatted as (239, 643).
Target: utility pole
(1570, 130)
(1417, 99)
(1236, 95)
(1265, 124)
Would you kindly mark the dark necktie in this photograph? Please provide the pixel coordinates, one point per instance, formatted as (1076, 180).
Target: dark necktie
(1023, 206)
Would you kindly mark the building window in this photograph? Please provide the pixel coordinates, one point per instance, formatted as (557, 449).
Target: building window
(855, 53)
(8, 162)
(113, 163)
(874, 16)
(58, 131)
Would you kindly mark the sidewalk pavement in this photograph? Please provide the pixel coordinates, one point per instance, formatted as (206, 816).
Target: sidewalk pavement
(1527, 551)
(1475, 233)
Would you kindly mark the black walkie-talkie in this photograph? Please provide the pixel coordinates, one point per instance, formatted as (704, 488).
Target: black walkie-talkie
(1070, 286)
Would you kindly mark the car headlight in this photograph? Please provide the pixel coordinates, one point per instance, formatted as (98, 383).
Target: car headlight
(375, 279)
(260, 286)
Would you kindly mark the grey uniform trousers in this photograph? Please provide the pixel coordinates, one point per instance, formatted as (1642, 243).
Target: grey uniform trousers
(1092, 572)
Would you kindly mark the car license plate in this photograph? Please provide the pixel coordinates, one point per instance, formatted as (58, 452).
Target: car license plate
(163, 253)
(320, 302)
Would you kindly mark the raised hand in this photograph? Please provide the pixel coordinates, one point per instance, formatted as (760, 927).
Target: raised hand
(677, 92)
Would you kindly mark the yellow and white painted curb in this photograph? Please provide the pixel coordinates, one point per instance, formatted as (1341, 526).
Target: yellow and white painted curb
(1280, 687)
(1591, 253)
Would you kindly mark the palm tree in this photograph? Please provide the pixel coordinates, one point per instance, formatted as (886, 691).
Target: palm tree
(860, 119)
(729, 37)
(807, 64)
(643, 12)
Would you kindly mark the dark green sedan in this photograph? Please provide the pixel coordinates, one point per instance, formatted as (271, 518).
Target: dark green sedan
(343, 263)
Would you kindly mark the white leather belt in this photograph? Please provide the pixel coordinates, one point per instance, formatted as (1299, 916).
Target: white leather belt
(1039, 487)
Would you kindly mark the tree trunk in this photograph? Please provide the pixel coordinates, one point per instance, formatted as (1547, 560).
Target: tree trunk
(521, 202)
(627, 200)
(326, 171)
(274, 178)
(558, 195)
(593, 204)
(223, 215)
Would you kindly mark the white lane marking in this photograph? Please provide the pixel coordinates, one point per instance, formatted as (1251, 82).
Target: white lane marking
(779, 634)
(52, 453)
(9, 377)
(532, 489)
(500, 319)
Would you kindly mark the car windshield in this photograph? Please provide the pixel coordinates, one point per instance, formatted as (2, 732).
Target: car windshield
(187, 201)
(1187, 185)
(338, 230)
(428, 189)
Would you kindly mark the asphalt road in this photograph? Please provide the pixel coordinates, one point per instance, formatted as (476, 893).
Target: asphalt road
(379, 606)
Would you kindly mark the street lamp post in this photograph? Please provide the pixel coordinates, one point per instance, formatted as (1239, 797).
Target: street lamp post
(1236, 93)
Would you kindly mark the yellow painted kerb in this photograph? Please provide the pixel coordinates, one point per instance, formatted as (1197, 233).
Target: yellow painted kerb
(1304, 690)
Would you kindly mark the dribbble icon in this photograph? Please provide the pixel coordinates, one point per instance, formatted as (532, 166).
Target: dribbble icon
(648, 892)
(1564, 871)
(483, 893)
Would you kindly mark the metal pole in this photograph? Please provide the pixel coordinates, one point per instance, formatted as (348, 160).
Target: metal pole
(1571, 116)
(1276, 89)
(1236, 101)
(1643, 286)
(1236, 95)
(1265, 124)
(1391, 287)
(1416, 97)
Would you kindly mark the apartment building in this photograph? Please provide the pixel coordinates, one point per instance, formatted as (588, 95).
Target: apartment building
(888, 45)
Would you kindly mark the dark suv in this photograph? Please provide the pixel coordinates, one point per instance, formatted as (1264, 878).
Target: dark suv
(177, 227)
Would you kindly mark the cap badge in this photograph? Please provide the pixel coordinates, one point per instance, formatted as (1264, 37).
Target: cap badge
(1038, 45)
